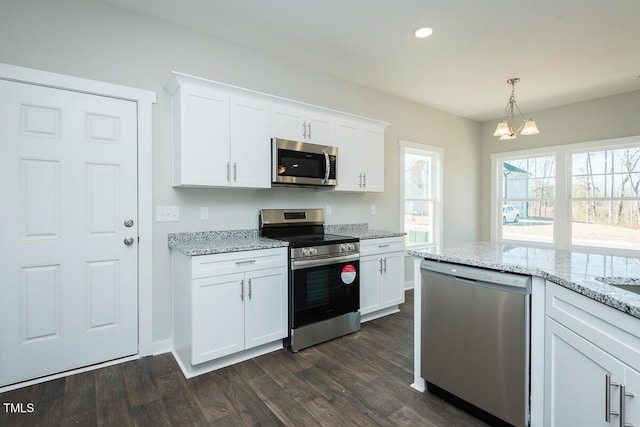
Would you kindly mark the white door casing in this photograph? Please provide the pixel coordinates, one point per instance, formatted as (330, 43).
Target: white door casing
(69, 181)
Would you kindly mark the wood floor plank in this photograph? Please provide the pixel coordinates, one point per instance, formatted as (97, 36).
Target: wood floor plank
(79, 394)
(212, 401)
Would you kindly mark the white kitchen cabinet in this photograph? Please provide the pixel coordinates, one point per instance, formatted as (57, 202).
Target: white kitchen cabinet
(360, 156)
(228, 307)
(297, 124)
(586, 345)
(381, 276)
(220, 137)
(250, 148)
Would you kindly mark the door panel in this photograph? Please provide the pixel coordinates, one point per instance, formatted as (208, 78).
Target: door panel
(68, 176)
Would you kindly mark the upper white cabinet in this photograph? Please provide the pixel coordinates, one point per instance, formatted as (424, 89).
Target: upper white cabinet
(222, 136)
(360, 156)
(249, 162)
(302, 125)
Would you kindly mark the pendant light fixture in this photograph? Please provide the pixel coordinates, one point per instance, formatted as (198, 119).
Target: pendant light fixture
(505, 129)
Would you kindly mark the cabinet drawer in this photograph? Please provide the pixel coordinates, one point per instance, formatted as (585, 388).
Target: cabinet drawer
(379, 246)
(237, 262)
(610, 329)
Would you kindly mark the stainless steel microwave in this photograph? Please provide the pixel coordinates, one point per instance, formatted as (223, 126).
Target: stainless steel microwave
(301, 163)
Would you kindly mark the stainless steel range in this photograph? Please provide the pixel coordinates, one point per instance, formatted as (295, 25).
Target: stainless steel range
(324, 276)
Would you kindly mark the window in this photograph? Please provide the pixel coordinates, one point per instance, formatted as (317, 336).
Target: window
(571, 196)
(527, 200)
(421, 181)
(605, 197)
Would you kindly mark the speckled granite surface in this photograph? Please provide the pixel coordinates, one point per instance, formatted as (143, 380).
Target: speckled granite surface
(581, 272)
(219, 242)
(361, 231)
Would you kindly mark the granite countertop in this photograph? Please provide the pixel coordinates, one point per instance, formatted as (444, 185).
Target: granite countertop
(219, 242)
(361, 231)
(585, 273)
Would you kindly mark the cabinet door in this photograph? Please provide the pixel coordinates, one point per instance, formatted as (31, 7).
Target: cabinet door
(287, 123)
(575, 377)
(320, 129)
(372, 158)
(392, 286)
(369, 283)
(348, 157)
(266, 306)
(632, 403)
(250, 143)
(202, 147)
(218, 317)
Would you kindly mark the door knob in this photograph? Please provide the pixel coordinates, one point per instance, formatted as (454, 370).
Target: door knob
(129, 241)
(128, 223)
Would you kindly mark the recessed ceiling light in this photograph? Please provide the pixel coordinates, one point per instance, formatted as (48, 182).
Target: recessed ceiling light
(423, 32)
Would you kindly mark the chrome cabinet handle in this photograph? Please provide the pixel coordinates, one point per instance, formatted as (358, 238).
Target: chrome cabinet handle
(385, 265)
(235, 171)
(309, 126)
(128, 223)
(384, 246)
(249, 288)
(380, 269)
(304, 130)
(360, 180)
(228, 172)
(607, 398)
(129, 241)
(251, 261)
(364, 180)
(623, 406)
(241, 290)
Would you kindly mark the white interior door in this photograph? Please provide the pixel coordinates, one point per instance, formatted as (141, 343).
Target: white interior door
(68, 181)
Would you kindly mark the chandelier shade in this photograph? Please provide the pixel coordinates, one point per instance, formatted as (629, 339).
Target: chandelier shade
(505, 129)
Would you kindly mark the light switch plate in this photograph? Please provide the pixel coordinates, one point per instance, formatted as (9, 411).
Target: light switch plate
(167, 213)
(327, 211)
(373, 209)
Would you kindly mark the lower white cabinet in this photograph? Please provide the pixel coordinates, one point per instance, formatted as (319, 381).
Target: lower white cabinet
(382, 276)
(592, 356)
(226, 305)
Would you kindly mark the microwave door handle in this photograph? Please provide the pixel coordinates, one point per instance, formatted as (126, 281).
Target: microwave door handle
(327, 166)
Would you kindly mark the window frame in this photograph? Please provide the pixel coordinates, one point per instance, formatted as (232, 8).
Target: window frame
(436, 154)
(562, 221)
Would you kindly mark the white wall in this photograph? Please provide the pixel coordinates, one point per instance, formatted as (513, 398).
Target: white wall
(605, 118)
(96, 41)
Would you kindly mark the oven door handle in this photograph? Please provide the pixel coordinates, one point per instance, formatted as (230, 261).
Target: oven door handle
(305, 263)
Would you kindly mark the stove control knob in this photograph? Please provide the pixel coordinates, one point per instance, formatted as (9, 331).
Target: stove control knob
(314, 251)
(351, 246)
(306, 251)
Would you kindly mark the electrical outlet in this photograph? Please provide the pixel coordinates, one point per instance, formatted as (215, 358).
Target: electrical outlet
(327, 211)
(204, 212)
(167, 213)
(373, 209)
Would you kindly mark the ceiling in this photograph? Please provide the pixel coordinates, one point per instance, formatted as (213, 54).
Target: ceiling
(564, 51)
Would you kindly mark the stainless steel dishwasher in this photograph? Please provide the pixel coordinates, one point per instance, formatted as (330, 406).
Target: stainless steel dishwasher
(476, 338)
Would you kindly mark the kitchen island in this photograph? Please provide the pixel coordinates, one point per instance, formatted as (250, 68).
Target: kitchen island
(575, 305)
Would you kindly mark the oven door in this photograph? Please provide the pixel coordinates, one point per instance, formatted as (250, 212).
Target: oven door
(299, 163)
(324, 288)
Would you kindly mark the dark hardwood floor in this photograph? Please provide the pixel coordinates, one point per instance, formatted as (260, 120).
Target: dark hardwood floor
(361, 379)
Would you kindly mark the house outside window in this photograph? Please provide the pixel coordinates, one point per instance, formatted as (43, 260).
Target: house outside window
(421, 182)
